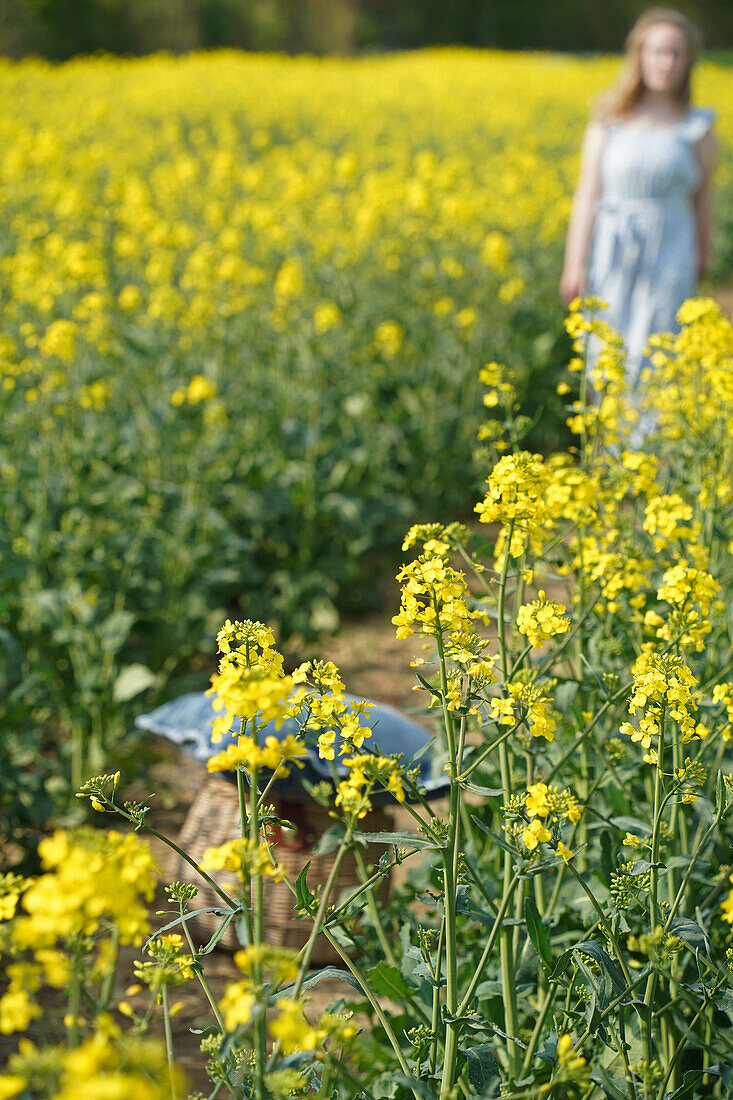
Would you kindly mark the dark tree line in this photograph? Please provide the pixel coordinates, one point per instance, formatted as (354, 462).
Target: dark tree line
(61, 28)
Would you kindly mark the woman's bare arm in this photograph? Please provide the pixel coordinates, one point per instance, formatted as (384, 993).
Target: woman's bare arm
(582, 215)
(706, 150)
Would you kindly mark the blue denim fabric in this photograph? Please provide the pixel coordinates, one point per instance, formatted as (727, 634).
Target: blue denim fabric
(186, 722)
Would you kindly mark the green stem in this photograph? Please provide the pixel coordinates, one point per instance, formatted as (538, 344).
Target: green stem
(202, 980)
(487, 752)
(319, 919)
(365, 886)
(602, 919)
(620, 1044)
(648, 1023)
(435, 1019)
(506, 943)
(614, 1003)
(374, 911)
(539, 1025)
(617, 695)
(546, 913)
(258, 929)
(698, 852)
(184, 855)
(245, 899)
(169, 1041)
(379, 1011)
(108, 986)
(450, 859)
(683, 1043)
(496, 928)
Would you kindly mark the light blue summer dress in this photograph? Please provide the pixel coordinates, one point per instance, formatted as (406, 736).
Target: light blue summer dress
(644, 248)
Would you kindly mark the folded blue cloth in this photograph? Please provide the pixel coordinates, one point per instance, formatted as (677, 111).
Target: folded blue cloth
(186, 722)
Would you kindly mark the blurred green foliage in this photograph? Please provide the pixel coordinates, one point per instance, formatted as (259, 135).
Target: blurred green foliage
(61, 28)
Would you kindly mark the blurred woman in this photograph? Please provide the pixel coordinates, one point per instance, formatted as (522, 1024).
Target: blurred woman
(639, 230)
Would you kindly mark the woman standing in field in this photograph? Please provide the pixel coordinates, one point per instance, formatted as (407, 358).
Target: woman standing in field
(642, 208)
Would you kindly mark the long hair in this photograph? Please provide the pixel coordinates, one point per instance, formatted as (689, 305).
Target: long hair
(626, 92)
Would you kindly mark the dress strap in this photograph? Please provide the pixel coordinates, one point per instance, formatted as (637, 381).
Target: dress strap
(698, 122)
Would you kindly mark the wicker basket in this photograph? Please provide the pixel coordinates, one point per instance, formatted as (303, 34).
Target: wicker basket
(214, 818)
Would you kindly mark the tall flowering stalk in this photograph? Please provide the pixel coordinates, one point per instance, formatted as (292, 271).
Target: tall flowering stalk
(567, 931)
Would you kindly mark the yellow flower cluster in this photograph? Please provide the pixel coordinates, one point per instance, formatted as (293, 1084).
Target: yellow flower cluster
(244, 858)
(552, 804)
(663, 686)
(515, 497)
(541, 620)
(668, 519)
(433, 599)
(691, 391)
(723, 693)
(250, 682)
(528, 703)
(101, 1066)
(90, 878)
(11, 887)
(293, 1030)
(608, 415)
(324, 709)
(436, 538)
(91, 881)
(199, 389)
(171, 965)
(502, 393)
(250, 756)
(619, 569)
(265, 967)
(366, 772)
(726, 907)
(682, 587)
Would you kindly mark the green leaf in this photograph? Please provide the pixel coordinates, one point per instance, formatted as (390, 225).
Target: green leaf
(631, 825)
(600, 956)
(503, 1034)
(497, 839)
(304, 898)
(538, 932)
(482, 1067)
(641, 866)
(429, 687)
(691, 933)
(690, 1081)
(326, 973)
(614, 1087)
(565, 695)
(422, 1088)
(133, 680)
(548, 1051)
(386, 981)
(413, 840)
(329, 841)
(114, 631)
(487, 792)
(220, 910)
(604, 960)
(219, 932)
